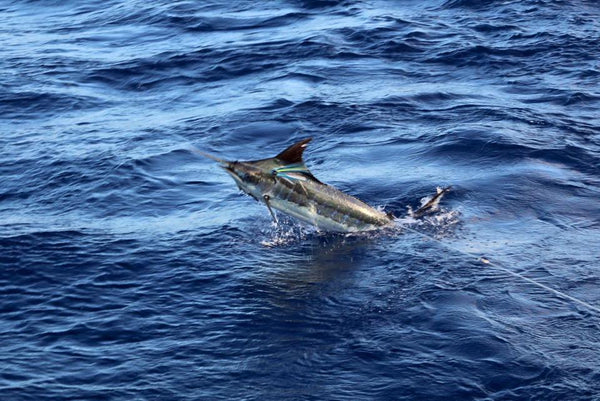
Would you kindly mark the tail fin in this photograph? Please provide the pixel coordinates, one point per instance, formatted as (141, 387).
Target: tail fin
(432, 204)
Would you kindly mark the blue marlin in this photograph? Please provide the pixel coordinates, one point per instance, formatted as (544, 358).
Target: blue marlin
(284, 183)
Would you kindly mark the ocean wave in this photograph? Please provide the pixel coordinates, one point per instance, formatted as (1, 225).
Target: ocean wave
(128, 262)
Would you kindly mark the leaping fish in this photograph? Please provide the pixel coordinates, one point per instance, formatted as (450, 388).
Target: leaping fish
(284, 183)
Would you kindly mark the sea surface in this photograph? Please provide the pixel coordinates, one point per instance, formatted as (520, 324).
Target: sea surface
(133, 269)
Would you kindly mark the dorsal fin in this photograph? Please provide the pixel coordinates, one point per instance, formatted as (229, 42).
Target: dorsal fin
(293, 154)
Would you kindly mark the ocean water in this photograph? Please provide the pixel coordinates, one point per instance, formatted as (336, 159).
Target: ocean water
(132, 269)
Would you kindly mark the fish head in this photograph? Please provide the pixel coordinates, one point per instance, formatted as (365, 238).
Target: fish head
(258, 177)
(254, 178)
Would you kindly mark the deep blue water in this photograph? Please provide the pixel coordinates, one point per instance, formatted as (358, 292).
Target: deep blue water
(130, 268)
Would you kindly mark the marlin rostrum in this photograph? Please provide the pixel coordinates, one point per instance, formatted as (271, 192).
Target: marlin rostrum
(284, 183)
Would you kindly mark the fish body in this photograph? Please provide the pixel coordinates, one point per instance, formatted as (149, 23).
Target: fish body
(284, 183)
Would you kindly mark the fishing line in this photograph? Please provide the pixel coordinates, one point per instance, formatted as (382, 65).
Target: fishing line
(485, 261)
(482, 260)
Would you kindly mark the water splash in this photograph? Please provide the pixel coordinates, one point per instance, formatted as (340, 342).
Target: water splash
(284, 233)
(440, 223)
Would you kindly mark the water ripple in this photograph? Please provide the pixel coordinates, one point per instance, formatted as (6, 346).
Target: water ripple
(132, 269)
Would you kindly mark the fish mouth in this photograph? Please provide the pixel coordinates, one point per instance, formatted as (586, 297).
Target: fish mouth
(229, 167)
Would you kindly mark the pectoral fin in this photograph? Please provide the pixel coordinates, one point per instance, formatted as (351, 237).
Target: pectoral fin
(295, 172)
(267, 198)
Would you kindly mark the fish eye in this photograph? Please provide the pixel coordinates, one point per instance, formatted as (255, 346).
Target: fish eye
(274, 172)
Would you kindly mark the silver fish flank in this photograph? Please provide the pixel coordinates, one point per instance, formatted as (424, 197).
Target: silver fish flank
(284, 183)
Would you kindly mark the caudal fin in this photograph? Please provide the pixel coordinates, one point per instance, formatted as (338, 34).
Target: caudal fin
(432, 204)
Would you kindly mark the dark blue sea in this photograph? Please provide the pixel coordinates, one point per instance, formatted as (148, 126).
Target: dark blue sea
(131, 268)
